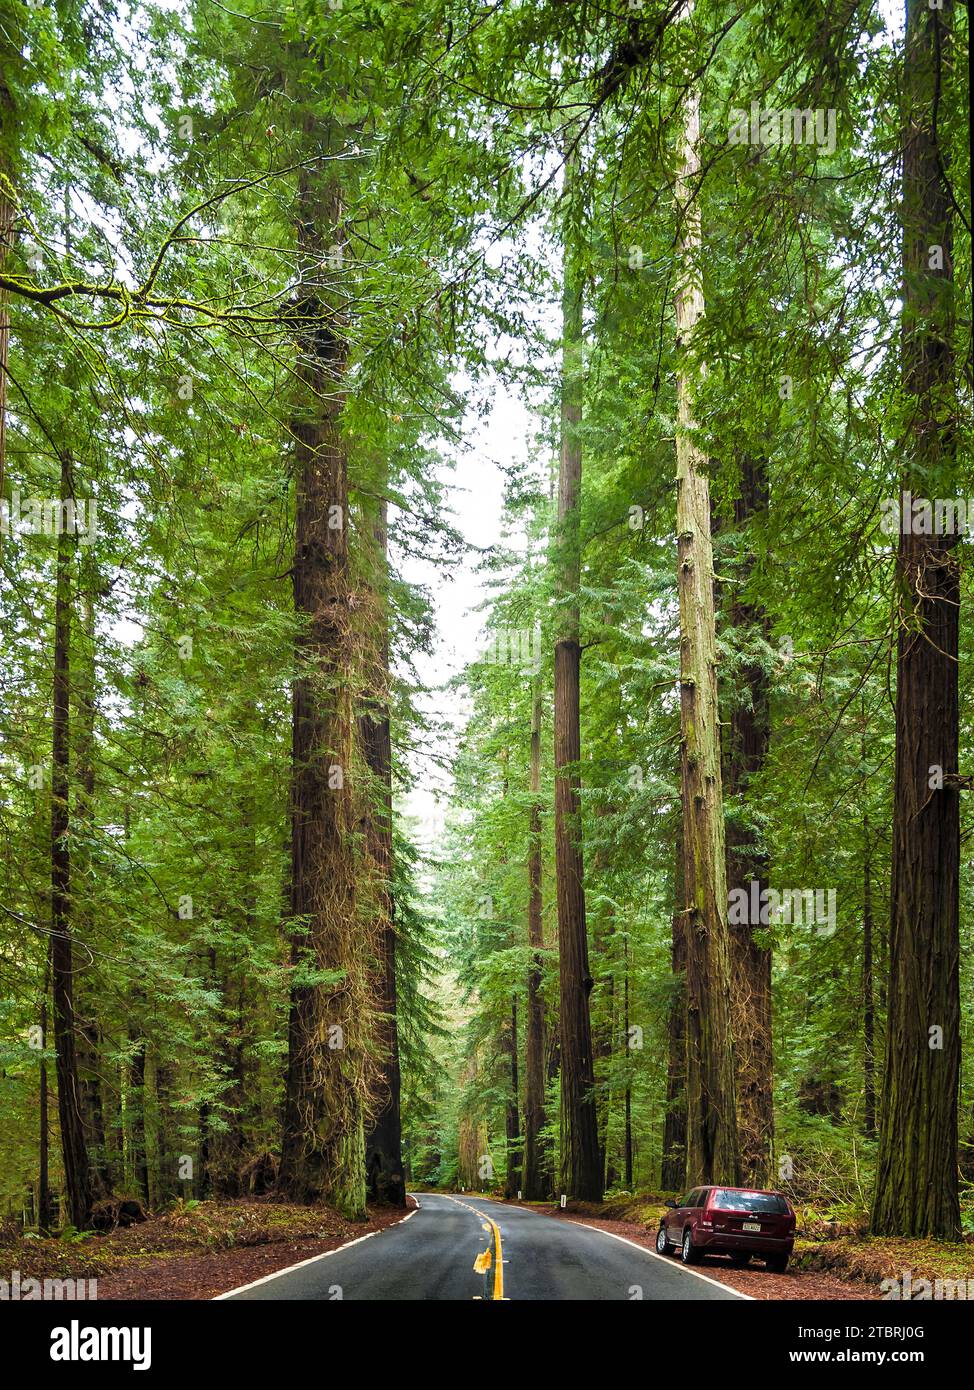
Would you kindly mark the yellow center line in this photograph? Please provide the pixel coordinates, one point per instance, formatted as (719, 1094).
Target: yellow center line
(498, 1261)
(498, 1251)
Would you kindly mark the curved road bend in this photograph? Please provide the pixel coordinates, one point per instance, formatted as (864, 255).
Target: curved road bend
(430, 1256)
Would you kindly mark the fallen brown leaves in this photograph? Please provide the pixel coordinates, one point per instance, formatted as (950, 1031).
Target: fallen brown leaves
(194, 1250)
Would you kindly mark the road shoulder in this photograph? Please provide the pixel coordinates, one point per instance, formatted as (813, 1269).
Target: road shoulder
(754, 1282)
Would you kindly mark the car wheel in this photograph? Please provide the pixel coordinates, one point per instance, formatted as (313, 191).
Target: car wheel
(688, 1254)
(776, 1264)
(663, 1246)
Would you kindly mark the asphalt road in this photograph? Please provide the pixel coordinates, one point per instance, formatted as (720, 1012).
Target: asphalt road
(430, 1256)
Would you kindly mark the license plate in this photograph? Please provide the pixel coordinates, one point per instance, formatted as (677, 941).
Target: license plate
(751, 1226)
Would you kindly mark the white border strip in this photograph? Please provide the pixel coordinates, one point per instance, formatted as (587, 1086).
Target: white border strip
(302, 1264)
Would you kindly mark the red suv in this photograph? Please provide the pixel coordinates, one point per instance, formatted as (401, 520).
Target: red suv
(733, 1221)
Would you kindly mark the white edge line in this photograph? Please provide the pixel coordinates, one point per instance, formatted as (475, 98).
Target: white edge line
(671, 1264)
(288, 1269)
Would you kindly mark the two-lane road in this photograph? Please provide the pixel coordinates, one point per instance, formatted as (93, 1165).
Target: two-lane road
(430, 1256)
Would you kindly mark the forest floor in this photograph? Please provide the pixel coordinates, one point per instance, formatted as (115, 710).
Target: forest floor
(194, 1250)
(830, 1261)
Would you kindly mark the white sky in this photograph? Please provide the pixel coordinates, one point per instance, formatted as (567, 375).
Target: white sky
(476, 501)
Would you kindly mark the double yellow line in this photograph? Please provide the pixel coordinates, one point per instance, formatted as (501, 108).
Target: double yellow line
(498, 1259)
(498, 1250)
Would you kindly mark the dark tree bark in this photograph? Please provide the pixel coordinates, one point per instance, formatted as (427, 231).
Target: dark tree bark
(916, 1179)
(746, 751)
(89, 1068)
(74, 1154)
(533, 1181)
(627, 1135)
(164, 1159)
(88, 1032)
(383, 1146)
(43, 1177)
(604, 1027)
(204, 1181)
(111, 1109)
(603, 1038)
(581, 1168)
(674, 1166)
(7, 136)
(512, 1109)
(868, 1001)
(136, 1104)
(323, 1150)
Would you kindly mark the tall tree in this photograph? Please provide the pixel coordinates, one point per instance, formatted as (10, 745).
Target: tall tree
(916, 1180)
(868, 990)
(674, 1162)
(746, 753)
(512, 1181)
(581, 1168)
(384, 1136)
(534, 1080)
(323, 1152)
(74, 1153)
(712, 1153)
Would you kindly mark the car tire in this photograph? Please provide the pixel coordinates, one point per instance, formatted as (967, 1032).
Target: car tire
(688, 1254)
(663, 1246)
(776, 1264)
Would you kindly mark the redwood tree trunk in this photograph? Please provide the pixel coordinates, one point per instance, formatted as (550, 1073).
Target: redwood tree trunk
(674, 1165)
(581, 1167)
(323, 1150)
(74, 1154)
(868, 1000)
(164, 1160)
(43, 1175)
(7, 136)
(88, 1032)
(627, 1134)
(533, 1183)
(386, 1179)
(712, 1154)
(136, 1099)
(916, 1179)
(512, 1109)
(746, 753)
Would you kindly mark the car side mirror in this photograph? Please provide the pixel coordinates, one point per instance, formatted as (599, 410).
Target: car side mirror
(670, 1203)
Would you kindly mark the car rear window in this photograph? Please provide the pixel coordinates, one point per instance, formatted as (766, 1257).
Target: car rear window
(726, 1200)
